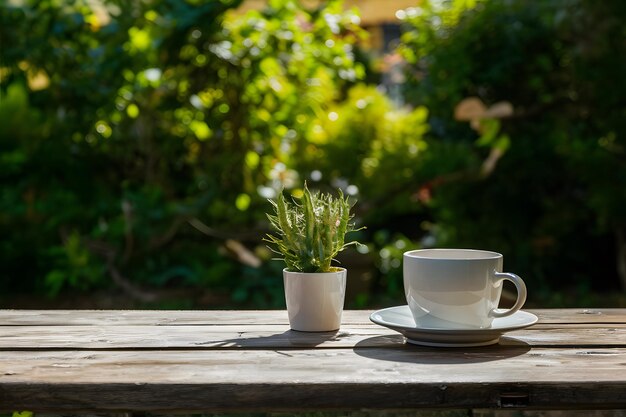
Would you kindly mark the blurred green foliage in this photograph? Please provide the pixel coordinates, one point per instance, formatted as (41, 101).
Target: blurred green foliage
(139, 143)
(134, 137)
(554, 201)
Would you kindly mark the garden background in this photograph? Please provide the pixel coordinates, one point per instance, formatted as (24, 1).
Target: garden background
(140, 141)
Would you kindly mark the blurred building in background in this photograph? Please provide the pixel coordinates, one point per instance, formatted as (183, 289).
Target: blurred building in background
(380, 19)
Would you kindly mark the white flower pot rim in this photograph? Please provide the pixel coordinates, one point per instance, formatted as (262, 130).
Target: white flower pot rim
(339, 269)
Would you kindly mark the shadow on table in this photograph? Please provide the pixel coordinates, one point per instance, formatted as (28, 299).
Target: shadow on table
(287, 339)
(393, 348)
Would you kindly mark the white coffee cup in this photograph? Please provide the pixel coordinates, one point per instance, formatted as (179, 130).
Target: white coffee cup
(457, 288)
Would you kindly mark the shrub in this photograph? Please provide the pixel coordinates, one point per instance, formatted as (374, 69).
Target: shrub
(134, 142)
(551, 201)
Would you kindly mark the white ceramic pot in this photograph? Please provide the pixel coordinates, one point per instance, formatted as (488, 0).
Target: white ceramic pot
(315, 299)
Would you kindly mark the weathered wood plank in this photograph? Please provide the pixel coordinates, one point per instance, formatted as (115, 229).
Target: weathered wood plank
(366, 365)
(307, 397)
(210, 317)
(282, 380)
(581, 315)
(152, 317)
(277, 336)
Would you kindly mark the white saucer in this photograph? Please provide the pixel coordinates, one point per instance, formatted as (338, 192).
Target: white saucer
(401, 320)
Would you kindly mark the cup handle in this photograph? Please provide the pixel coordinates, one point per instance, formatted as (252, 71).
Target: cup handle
(521, 294)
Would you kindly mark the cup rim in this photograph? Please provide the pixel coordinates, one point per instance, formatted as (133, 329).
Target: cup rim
(438, 254)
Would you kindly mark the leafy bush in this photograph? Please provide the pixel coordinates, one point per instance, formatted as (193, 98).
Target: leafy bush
(134, 142)
(552, 199)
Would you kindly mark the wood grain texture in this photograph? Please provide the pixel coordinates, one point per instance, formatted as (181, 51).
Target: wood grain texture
(337, 378)
(194, 361)
(219, 397)
(274, 317)
(277, 336)
(410, 364)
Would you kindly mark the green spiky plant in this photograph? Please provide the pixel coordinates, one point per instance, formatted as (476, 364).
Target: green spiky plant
(311, 232)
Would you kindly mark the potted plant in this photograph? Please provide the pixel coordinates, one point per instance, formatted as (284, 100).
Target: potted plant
(310, 233)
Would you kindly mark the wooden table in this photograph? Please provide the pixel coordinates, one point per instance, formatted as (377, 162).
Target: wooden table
(181, 361)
